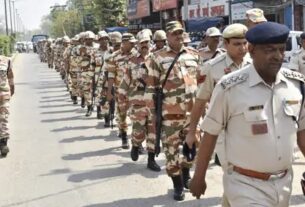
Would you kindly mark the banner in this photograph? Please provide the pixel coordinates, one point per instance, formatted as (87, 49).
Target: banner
(138, 9)
(159, 5)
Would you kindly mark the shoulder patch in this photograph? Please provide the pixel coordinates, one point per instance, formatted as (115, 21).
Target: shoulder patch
(233, 80)
(217, 59)
(293, 75)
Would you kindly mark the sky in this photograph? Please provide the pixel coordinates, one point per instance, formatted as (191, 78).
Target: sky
(31, 11)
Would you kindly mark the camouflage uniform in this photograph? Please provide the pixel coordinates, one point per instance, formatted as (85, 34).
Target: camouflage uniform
(74, 71)
(6, 90)
(179, 92)
(116, 66)
(49, 54)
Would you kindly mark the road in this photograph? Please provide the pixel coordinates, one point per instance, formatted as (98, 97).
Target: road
(60, 158)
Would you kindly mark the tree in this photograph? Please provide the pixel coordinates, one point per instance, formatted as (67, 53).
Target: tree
(110, 12)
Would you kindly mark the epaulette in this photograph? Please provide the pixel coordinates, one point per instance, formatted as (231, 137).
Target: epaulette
(217, 59)
(233, 80)
(293, 75)
(159, 52)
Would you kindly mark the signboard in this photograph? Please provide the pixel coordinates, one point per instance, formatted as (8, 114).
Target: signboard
(207, 8)
(138, 9)
(159, 5)
(239, 10)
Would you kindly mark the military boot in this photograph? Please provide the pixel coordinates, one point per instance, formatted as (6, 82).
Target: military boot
(89, 110)
(82, 104)
(151, 163)
(98, 112)
(107, 120)
(178, 188)
(124, 138)
(186, 177)
(141, 149)
(134, 153)
(3, 147)
(74, 99)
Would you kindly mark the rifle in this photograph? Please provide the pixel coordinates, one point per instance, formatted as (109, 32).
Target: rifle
(158, 100)
(112, 108)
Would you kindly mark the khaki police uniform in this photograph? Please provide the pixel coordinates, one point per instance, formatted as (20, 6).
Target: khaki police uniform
(260, 124)
(297, 61)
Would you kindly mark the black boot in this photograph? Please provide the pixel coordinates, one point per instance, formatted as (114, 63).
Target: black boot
(107, 120)
(124, 138)
(141, 149)
(74, 99)
(216, 161)
(89, 110)
(134, 153)
(98, 112)
(3, 147)
(186, 177)
(82, 104)
(151, 163)
(178, 188)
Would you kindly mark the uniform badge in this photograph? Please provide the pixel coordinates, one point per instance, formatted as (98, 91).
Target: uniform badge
(259, 129)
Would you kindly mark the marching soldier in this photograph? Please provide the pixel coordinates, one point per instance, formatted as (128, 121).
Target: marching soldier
(116, 67)
(66, 62)
(179, 89)
(159, 40)
(212, 40)
(297, 61)
(87, 71)
(102, 87)
(7, 89)
(98, 62)
(260, 108)
(132, 91)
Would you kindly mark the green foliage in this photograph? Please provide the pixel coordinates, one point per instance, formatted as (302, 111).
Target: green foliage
(5, 45)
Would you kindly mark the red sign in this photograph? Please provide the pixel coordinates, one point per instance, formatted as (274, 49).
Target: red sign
(143, 10)
(159, 5)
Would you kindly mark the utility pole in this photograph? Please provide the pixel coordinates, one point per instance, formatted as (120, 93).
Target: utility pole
(14, 16)
(5, 13)
(292, 15)
(12, 30)
(185, 6)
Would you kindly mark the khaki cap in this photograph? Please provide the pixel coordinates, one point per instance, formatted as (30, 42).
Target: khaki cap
(116, 37)
(213, 32)
(174, 26)
(235, 31)
(143, 36)
(159, 35)
(129, 37)
(256, 15)
(102, 34)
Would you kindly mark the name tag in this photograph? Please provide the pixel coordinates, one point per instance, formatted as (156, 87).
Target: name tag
(259, 128)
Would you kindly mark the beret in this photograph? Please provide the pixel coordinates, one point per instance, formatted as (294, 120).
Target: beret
(234, 31)
(268, 33)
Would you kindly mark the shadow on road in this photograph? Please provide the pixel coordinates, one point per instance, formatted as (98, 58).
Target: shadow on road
(70, 118)
(162, 200)
(54, 100)
(55, 106)
(126, 169)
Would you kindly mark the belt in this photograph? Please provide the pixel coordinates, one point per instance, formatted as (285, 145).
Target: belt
(260, 175)
(174, 116)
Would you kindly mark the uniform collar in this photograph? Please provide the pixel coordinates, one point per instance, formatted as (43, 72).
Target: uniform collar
(255, 78)
(169, 49)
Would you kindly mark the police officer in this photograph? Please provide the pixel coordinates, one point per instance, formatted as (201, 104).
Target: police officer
(297, 61)
(7, 89)
(261, 111)
(179, 94)
(254, 16)
(233, 59)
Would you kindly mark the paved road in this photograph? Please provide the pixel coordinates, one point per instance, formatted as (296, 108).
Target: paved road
(60, 158)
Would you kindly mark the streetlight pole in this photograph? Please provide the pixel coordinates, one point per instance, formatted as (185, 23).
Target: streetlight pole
(9, 3)
(5, 12)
